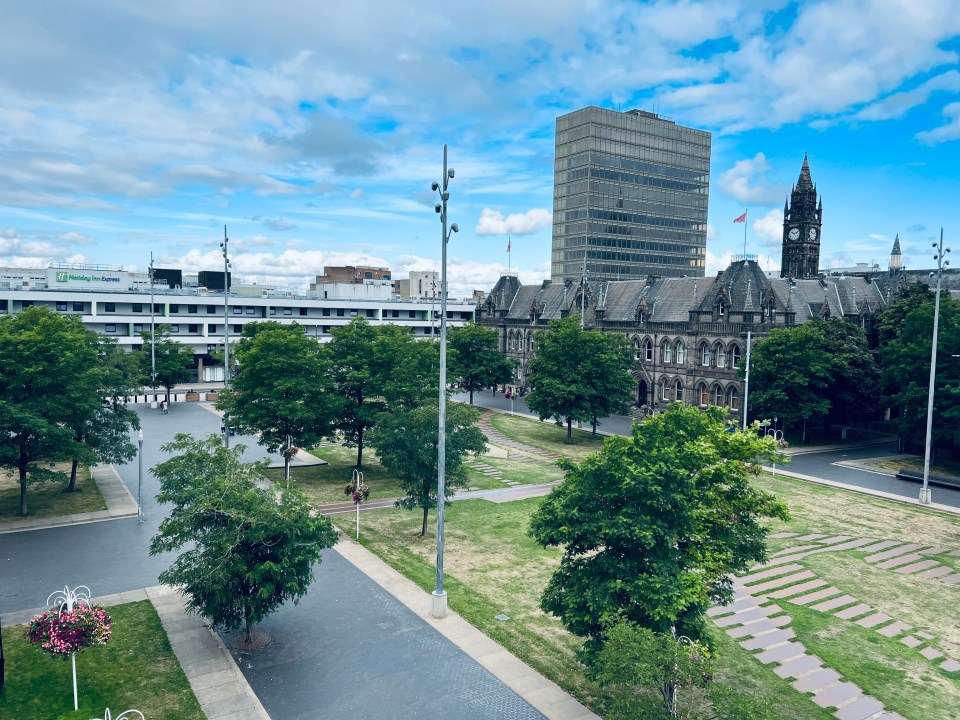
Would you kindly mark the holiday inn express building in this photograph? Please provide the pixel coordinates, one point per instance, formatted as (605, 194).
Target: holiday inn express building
(116, 303)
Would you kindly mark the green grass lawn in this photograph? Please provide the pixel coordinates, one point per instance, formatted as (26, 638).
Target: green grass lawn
(530, 473)
(136, 669)
(48, 499)
(915, 462)
(547, 436)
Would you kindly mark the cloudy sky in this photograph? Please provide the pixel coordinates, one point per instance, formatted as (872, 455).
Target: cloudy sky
(313, 130)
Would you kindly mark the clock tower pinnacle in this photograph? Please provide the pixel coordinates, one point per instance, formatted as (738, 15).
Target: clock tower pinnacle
(802, 219)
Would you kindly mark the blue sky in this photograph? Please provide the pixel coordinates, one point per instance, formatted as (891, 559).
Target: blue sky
(314, 132)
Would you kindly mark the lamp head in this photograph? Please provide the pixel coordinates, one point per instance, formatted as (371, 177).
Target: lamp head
(438, 207)
(445, 195)
(140, 435)
(455, 227)
(434, 185)
(450, 173)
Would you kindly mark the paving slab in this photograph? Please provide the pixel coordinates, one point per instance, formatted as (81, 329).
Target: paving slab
(814, 596)
(781, 653)
(752, 629)
(950, 665)
(834, 603)
(894, 552)
(797, 589)
(935, 550)
(852, 612)
(807, 538)
(742, 618)
(894, 628)
(780, 582)
(768, 640)
(882, 545)
(772, 572)
(931, 653)
(911, 642)
(796, 549)
(855, 544)
(951, 579)
(860, 709)
(890, 716)
(917, 567)
(924, 635)
(783, 535)
(936, 572)
(897, 561)
(836, 695)
(873, 620)
(836, 539)
(817, 680)
(798, 666)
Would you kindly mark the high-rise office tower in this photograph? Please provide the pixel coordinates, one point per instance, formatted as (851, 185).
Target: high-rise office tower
(630, 193)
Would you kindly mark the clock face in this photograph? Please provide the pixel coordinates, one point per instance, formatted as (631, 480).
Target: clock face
(813, 233)
(794, 234)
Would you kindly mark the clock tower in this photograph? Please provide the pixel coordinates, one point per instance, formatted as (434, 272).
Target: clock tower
(802, 218)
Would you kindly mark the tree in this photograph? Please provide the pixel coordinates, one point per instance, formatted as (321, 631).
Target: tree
(250, 548)
(173, 361)
(475, 360)
(654, 524)
(406, 441)
(579, 375)
(891, 321)
(905, 360)
(821, 369)
(283, 389)
(45, 363)
(374, 366)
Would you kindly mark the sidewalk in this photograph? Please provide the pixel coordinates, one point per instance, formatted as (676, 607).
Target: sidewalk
(120, 504)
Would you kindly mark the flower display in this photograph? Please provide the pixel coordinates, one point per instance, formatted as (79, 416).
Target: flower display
(62, 633)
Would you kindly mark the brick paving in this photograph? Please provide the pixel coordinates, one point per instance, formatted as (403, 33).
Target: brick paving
(761, 626)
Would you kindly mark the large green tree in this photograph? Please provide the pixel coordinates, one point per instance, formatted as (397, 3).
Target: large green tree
(475, 361)
(249, 549)
(375, 367)
(51, 382)
(173, 360)
(283, 389)
(406, 441)
(813, 372)
(653, 526)
(905, 359)
(579, 374)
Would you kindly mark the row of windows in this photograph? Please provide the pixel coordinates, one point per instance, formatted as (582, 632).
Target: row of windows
(715, 355)
(248, 310)
(672, 391)
(194, 329)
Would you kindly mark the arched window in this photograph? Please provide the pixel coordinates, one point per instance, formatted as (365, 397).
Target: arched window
(636, 348)
(665, 390)
(705, 355)
(513, 341)
(648, 351)
(681, 352)
(719, 354)
(704, 395)
(721, 309)
(678, 391)
(718, 396)
(734, 355)
(666, 352)
(733, 398)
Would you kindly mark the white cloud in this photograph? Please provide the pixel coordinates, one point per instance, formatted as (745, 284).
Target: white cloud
(950, 130)
(898, 104)
(279, 224)
(77, 238)
(746, 181)
(492, 222)
(769, 228)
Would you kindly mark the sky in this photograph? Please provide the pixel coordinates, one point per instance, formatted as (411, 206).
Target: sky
(313, 130)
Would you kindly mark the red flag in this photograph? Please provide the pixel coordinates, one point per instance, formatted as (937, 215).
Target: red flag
(508, 246)
(742, 218)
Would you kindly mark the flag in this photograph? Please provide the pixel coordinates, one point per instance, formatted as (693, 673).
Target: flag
(508, 245)
(742, 218)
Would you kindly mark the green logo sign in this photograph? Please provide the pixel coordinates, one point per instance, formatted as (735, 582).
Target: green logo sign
(62, 277)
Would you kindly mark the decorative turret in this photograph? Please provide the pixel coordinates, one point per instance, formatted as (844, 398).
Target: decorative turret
(896, 257)
(802, 220)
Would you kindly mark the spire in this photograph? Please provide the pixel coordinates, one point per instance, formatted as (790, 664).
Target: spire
(896, 246)
(805, 182)
(896, 257)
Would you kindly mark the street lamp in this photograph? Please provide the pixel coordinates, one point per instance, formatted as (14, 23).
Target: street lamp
(925, 494)
(153, 354)
(140, 478)
(226, 331)
(439, 602)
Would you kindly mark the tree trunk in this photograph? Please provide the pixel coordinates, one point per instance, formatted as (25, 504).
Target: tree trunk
(73, 476)
(248, 624)
(360, 448)
(804, 432)
(594, 422)
(471, 396)
(569, 429)
(423, 529)
(286, 466)
(22, 466)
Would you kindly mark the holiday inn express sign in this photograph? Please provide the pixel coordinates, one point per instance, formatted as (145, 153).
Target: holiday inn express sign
(87, 279)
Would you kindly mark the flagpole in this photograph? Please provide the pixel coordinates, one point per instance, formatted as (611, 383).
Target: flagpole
(509, 243)
(744, 235)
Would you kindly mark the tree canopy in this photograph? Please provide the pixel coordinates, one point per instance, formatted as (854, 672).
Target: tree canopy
(579, 374)
(406, 441)
(653, 525)
(475, 360)
(815, 371)
(249, 549)
(173, 360)
(283, 389)
(55, 376)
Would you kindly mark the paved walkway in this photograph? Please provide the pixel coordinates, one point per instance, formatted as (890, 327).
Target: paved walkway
(120, 504)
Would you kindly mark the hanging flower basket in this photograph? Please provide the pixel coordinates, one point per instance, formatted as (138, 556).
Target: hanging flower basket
(59, 634)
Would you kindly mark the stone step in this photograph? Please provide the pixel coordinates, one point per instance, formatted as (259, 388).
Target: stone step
(817, 680)
(797, 589)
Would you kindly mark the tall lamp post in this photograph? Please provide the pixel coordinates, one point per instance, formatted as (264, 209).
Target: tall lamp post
(226, 330)
(153, 353)
(140, 477)
(925, 494)
(439, 601)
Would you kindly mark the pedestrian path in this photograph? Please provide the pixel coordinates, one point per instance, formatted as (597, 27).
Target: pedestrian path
(757, 618)
(495, 437)
(120, 504)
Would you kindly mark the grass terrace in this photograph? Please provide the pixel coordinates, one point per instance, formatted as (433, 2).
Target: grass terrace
(47, 499)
